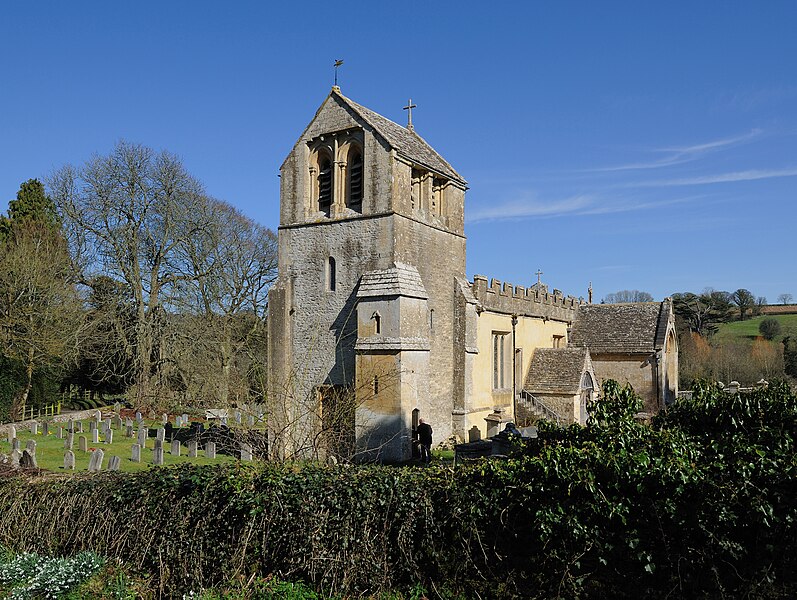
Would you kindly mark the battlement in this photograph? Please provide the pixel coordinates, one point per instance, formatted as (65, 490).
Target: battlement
(533, 301)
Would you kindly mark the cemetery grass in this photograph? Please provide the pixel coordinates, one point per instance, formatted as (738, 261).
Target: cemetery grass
(50, 451)
(747, 331)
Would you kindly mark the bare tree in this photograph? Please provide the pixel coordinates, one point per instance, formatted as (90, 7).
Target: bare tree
(130, 216)
(785, 298)
(627, 296)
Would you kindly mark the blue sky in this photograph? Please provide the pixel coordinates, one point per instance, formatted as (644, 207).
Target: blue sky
(636, 145)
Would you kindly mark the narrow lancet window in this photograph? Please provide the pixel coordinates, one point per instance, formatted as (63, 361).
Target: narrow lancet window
(355, 164)
(324, 184)
(331, 275)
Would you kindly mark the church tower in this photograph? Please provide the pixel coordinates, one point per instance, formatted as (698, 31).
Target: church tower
(361, 323)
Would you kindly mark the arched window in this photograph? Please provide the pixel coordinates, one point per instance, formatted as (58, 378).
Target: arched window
(331, 275)
(354, 199)
(324, 182)
(377, 323)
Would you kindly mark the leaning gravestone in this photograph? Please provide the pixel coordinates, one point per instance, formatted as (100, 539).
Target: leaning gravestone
(135, 454)
(34, 428)
(69, 460)
(95, 461)
(95, 436)
(210, 450)
(69, 442)
(16, 455)
(175, 447)
(12, 433)
(28, 460)
(157, 456)
(114, 463)
(192, 449)
(109, 436)
(83, 444)
(31, 446)
(142, 437)
(246, 452)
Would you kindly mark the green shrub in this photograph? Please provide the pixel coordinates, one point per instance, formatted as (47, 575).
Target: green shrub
(769, 328)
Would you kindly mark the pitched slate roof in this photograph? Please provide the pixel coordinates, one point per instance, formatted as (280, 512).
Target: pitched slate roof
(557, 370)
(406, 142)
(638, 327)
(400, 280)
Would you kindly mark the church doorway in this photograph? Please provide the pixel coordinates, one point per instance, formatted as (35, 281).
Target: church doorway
(416, 448)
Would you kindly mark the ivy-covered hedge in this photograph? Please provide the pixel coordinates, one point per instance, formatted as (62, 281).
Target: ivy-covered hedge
(702, 503)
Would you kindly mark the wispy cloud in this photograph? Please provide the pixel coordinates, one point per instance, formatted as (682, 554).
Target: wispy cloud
(575, 206)
(748, 175)
(681, 154)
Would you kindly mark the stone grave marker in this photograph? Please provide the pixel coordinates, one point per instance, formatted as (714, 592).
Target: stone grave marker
(95, 436)
(107, 423)
(250, 420)
(210, 450)
(160, 434)
(69, 460)
(69, 442)
(109, 436)
(164, 418)
(46, 428)
(98, 416)
(34, 428)
(157, 455)
(246, 452)
(185, 418)
(82, 444)
(237, 414)
(158, 444)
(128, 431)
(117, 422)
(92, 425)
(70, 426)
(16, 455)
(192, 449)
(80, 426)
(28, 460)
(136, 453)
(95, 461)
(31, 446)
(128, 422)
(60, 433)
(139, 418)
(114, 463)
(142, 437)
(117, 407)
(175, 447)
(12, 433)
(15, 444)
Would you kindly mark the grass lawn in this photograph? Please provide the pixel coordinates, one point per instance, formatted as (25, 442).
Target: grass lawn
(747, 331)
(50, 450)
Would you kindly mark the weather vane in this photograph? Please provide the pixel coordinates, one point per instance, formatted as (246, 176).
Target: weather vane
(409, 108)
(338, 62)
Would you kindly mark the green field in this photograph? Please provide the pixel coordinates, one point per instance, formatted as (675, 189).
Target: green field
(50, 450)
(748, 330)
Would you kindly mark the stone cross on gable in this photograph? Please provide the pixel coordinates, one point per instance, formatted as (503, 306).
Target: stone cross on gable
(538, 273)
(409, 108)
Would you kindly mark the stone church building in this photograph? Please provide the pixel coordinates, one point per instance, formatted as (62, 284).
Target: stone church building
(373, 324)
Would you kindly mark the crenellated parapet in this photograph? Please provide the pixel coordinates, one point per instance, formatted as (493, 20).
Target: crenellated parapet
(534, 301)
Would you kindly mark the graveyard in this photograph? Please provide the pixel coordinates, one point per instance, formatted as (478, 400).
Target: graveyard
(107, 440)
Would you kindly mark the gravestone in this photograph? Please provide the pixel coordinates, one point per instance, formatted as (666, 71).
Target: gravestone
(169, 431)
(15, 444)
(34, 428)
(107, 423)
(175, 447)
(142, 437)
(246, 452)
(82, 444)
(31, 446)
(157, 456)
(92, 425)
(192, 449)
(128, 422)
(139, 418)
(136, 453)
(60, 433)
(28, 460)
(159, 445)
(95, 436)
(12, 433)
(164, 418)
(46, 428)
(185, 418)
(109, 436)
(160, 434)
(178, 421)
(224, 420)
(250, 420)
(237, 414)
(80, 426)
(117, 422)
(128, 431)
(95, 461)
(69, 442)
(474, 434)
(210, 450)
(69, 460)
(70, 426)
(98, 416)
(117, 407)
(114, 463)
(15, 457)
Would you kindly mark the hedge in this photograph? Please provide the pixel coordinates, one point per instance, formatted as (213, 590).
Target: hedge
(702, 503)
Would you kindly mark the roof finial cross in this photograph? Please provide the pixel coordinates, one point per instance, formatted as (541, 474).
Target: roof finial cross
(538, 273)
(409, 108)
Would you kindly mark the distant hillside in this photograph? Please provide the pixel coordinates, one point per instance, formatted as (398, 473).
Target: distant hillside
(748, 330)
(779, 309)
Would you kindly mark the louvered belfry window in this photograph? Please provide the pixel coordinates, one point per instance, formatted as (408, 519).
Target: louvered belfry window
(355, 179)
(324, 184)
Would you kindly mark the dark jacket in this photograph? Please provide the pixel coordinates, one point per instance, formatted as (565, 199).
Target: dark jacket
(425, 434)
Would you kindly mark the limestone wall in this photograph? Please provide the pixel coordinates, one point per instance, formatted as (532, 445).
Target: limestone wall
(633, 369)
(511, 299)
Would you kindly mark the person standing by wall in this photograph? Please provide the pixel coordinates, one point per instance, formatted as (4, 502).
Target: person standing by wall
(425, 440)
